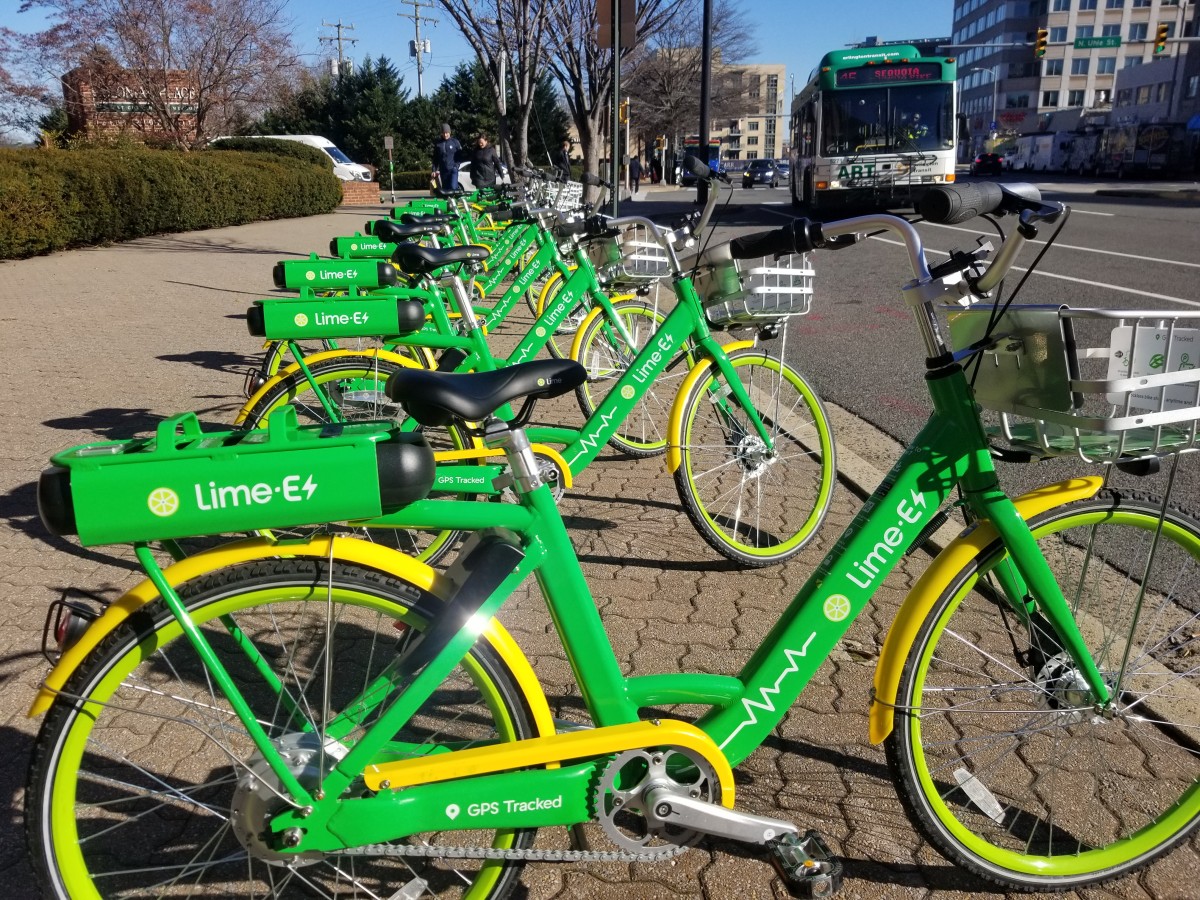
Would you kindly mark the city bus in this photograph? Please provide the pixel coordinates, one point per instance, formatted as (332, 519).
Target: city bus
(873, 127)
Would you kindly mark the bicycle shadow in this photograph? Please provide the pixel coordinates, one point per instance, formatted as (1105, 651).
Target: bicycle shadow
(224, 361)
(111, 424)
(15, 870)
(18, 510)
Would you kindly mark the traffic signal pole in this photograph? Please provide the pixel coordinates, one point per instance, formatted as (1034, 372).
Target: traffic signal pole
(705, 96)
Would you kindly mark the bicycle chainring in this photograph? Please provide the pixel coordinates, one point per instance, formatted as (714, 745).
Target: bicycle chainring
(621, 791)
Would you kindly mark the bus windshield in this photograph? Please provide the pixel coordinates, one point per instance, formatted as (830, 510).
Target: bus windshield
(899, 119)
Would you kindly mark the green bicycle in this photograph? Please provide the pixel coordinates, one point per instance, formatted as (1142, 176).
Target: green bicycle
(330, 716)
(746, 438)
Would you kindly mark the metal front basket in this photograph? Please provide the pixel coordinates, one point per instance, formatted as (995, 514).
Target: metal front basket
(1098, 384)
(566, 196)
(748, 291)
(634, 256)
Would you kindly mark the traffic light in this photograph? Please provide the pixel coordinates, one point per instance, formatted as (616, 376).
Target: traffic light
(1039, 46)
(1160, 39)
(623, 114)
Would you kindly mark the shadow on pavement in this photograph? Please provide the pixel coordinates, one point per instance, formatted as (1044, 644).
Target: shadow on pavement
(15, 872)
(18, 509)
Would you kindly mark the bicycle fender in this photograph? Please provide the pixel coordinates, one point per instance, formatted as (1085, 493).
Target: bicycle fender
(378, 353)
(351, 550)
(484, 453)
(675, 423)
(935, 580)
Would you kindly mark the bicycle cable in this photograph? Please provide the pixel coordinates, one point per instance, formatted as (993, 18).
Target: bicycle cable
(999, 308)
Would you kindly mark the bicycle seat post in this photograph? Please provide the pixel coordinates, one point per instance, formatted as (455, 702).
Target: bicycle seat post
(462, 300)
(501, 435)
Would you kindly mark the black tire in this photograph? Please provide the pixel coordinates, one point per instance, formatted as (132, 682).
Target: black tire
(141, 781)
(1008, 769)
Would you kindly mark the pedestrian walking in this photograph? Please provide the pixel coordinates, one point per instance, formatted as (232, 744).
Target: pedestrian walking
(445, 160)
(485, 162)
(635, 173)
(563, 163)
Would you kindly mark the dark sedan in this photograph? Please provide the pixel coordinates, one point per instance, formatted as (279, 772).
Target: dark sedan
(761, 171)
(988, 164)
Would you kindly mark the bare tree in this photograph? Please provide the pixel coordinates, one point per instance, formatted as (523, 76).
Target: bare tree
(508, 36)
(585, 71)
(187, 66)
(664, 79)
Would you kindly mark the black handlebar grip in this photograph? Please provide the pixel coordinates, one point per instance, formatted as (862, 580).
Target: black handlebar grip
(799, 236)
(948, 204)
(694, 167)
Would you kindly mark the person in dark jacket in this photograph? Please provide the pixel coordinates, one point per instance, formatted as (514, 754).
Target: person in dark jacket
(445, 160)
(563, 163)
(635, 173)
(485, 163)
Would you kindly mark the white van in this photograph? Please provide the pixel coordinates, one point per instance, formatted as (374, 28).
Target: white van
(343, 168)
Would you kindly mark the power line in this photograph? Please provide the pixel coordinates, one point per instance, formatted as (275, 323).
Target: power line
(418, 46)
(339, 40)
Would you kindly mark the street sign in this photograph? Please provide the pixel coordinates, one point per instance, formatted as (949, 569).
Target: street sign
(388, 142)
(604, 18)
(992, 126)
(1092, 43)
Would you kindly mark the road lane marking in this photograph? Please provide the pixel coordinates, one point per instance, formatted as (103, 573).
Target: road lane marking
(1111, 287)
(1152, 259)
(1090, 212)
(1099, 284)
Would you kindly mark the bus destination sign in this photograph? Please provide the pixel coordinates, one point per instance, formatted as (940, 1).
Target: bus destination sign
(889, 73)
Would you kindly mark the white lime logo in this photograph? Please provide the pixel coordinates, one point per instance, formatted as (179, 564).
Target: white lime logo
(541, 382)
(310, 275)
(452, 811)
(627, 392)
(354, 246)
(540, 331)
(837, 607)
(301, 320)
(163, 502)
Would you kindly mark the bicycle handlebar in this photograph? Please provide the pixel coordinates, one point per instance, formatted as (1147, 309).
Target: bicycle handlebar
(949, 204)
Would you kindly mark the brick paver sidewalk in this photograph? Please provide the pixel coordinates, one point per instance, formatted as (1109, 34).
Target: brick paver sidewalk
(103, 343)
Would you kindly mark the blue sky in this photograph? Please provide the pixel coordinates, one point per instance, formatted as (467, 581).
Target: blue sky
(792, 32)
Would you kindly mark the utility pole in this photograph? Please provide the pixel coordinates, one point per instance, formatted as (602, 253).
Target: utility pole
(418, 46)
(339, 40)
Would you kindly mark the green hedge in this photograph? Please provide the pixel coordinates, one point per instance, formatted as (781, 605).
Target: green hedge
(278, 148)
(55, 199)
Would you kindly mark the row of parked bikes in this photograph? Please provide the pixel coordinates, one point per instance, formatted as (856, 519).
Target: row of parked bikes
(311, 694)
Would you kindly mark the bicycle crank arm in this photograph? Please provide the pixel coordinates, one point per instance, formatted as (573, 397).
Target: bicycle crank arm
(666, 806)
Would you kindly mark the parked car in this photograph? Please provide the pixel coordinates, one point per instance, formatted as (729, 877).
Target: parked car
(988, 164)
(761, 171)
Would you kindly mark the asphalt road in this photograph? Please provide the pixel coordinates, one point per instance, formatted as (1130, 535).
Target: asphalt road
(861, 350)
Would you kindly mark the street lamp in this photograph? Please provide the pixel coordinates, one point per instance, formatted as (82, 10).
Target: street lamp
(994, 125)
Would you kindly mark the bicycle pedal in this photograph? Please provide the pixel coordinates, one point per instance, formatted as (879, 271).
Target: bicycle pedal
(806, 865)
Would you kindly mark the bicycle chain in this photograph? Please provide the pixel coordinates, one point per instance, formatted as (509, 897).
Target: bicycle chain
(530, 855)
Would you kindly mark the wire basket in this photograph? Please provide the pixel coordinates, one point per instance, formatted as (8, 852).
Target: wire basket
(1098, 384)
(634, 256)
(754, 291)
(565, 196)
